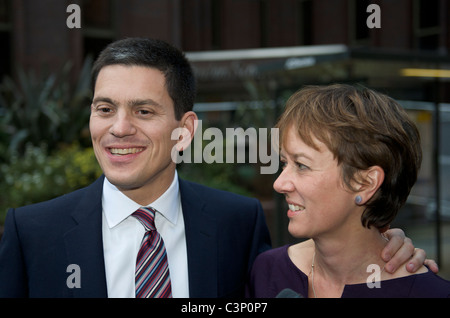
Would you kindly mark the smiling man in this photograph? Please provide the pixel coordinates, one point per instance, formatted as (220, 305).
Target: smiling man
(139, 230)
(132, 119)
(203, 241)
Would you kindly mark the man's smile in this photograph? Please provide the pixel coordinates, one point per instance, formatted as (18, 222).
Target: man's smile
(124, 151)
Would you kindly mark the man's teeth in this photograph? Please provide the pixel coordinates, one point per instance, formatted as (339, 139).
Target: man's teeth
(294, 207)
(124, 151)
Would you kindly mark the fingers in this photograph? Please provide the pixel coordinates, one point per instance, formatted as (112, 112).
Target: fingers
(416, 261)
(398, 252)
(432, 265)
(395, 238)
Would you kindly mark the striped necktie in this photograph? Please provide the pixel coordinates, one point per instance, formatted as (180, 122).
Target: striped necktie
(152, 270)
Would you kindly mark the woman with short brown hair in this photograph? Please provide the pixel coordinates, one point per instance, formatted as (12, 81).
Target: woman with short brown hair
(350, 158)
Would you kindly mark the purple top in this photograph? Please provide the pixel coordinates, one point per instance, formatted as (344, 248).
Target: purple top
(274, 271)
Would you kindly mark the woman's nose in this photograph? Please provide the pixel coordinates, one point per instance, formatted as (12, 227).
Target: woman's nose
(284, 184)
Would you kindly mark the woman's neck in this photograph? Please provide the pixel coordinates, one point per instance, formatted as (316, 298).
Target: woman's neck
(341, 261)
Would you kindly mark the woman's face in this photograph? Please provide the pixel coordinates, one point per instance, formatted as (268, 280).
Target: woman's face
(311, 181)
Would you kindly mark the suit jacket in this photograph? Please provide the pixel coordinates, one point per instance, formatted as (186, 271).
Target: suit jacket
(224, 233)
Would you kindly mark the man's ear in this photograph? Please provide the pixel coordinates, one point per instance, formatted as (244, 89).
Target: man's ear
(188, 126)
(372, 179)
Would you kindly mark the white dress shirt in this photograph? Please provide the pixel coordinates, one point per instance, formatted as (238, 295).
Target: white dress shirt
(122, 237)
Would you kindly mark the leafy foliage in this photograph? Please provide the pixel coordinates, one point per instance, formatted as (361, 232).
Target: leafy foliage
(48, 108)
(43, 136)
(36, 176)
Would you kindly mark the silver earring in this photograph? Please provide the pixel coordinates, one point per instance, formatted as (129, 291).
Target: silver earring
(358, 200)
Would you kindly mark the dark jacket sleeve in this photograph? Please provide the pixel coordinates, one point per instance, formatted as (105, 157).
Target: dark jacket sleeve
(13, 281)
(261, 236)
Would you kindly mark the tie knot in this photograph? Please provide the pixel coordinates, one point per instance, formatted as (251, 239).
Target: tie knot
(146, 216)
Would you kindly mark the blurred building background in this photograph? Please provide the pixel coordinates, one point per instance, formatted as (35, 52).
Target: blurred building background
(249, 56)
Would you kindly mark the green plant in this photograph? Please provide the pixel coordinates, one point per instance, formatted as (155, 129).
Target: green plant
(37, 176)
(36, 109)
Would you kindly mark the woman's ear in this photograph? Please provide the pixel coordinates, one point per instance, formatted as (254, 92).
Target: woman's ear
(371, 181)
(189, 123)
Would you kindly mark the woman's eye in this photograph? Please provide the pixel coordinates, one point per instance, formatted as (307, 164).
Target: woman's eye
(301, 166)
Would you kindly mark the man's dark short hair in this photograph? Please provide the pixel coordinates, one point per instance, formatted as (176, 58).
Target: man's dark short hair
(180, 80)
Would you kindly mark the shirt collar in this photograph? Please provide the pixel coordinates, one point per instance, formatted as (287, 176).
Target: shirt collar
(117, 206)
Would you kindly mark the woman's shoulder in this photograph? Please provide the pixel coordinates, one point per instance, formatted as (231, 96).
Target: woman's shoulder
(273, 256)
(290, 254)
(421, 285)
(272, 272)
(424, 283)
(430, 285)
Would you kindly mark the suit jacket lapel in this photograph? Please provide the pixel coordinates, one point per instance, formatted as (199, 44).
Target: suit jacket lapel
(84, 244)
(201, 241)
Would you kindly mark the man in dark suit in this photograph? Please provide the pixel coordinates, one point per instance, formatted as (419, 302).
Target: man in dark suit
(84, 244)
(224, 233)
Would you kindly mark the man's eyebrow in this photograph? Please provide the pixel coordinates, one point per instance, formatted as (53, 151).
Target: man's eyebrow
(102, 99)
(130, 103)
(142, 102)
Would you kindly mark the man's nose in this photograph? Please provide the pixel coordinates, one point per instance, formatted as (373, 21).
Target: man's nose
(123, 125)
